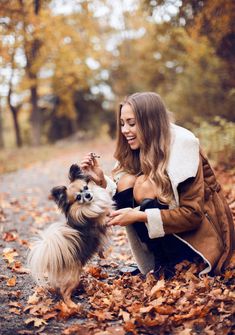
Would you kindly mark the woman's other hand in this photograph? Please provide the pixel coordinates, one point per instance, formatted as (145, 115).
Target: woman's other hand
(90, 166)
(126, 216)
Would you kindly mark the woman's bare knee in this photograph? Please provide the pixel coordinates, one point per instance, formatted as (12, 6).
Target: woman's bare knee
(143, 189)
(125, 182)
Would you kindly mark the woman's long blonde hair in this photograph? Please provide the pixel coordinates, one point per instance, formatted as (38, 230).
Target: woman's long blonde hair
(153, 129)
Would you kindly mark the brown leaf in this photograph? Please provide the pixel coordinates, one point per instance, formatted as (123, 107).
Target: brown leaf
(9, 254)
(15, 311)
(11, 281)
(101, 315)
(96, 272)
(130, 327)
(33, 299)
(9, 236)
(77, 330)
(15, 304)
(125, 315)
(159, 286)
(117, 330)
(165, 309)
(17, 267)
(49, 315)
(36, 322)
(64, 311)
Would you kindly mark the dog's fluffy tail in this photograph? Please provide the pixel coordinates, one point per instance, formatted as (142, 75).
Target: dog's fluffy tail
(54, 254)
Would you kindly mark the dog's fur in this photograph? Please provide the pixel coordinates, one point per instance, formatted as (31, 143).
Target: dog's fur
(58, 255)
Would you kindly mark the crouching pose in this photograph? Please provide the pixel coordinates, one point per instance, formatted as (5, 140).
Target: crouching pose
(167, 195)
(58, 255)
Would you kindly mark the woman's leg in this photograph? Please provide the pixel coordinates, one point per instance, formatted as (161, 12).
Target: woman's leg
(168, 250)
(124, 196)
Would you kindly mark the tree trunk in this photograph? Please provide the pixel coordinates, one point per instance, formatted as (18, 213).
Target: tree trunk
(14, 110)
(35, 117)
(31, 50)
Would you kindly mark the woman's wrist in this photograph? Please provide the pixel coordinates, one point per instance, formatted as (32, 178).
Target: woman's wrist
(102, 182)
(142, 216)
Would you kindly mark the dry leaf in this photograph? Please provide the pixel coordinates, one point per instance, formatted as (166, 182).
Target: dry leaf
(159, 286)
(11, 282)
(9, 254)
(36, 322)
(9, 236)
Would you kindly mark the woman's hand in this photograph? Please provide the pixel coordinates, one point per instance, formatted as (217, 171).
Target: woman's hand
(90, 166)
(126, 216)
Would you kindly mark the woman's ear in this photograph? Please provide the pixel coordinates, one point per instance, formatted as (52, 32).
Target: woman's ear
(59, 195)
(75, 172)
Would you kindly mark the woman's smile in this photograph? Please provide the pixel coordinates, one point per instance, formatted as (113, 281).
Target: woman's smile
(128, 126)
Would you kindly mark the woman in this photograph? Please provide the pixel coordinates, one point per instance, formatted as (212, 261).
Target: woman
(166, 192)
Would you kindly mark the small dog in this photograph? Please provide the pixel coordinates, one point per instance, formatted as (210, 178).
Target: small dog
(64, 248)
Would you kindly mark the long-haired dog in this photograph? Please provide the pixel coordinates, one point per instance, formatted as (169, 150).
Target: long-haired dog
(58, 255)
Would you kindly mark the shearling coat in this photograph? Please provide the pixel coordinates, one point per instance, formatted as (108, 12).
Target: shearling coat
(199, 216)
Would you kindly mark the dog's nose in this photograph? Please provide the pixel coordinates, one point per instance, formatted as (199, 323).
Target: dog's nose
(88, 196)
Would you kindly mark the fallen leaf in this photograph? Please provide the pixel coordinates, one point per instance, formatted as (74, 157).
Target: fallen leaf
(159, 286)
(96, 272)
(36, 322)
(11, 282)
(9, 254)
(15, 311)
(9, 236)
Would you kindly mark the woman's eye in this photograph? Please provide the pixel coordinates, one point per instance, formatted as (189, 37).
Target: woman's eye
(131, 124)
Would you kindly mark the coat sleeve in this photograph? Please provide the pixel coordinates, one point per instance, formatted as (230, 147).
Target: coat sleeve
(187, 216)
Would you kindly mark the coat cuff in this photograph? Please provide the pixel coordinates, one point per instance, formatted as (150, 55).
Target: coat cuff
(154, 223)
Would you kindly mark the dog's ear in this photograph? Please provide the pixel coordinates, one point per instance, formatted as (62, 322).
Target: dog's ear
(59, 195)
(75, 172)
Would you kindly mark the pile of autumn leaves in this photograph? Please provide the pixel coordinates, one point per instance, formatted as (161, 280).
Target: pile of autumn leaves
(125, 304)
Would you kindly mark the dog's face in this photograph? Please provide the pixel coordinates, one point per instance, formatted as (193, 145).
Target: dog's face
(77, 193)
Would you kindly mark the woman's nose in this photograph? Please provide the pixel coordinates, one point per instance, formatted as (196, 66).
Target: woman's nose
(125, 129)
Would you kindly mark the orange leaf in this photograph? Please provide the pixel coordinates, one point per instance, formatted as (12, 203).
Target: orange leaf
(9, 254)
(11, 282)
(96, 272)
(9, 236)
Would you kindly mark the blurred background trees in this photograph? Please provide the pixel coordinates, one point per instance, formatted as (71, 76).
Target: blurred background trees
(65, 65)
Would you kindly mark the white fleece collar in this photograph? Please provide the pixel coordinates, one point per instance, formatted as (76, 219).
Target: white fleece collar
(184, 156)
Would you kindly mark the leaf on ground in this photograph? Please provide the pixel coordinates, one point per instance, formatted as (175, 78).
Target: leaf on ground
(66, 312)
(17, 267)
(9, 236)
(36, 322)
(96, 272)
(11, 281)
(9, 254)
(159, 286)
(125, 315)
(78, 330)
(15, 311)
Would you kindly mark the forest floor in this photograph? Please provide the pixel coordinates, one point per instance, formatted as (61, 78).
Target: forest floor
(110, 302)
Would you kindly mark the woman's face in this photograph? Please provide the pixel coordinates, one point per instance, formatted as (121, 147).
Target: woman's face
(128, 126)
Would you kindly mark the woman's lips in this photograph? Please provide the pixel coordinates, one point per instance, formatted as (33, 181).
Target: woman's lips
(130, 139)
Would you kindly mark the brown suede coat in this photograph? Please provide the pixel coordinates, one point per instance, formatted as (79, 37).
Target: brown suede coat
(203, 218)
